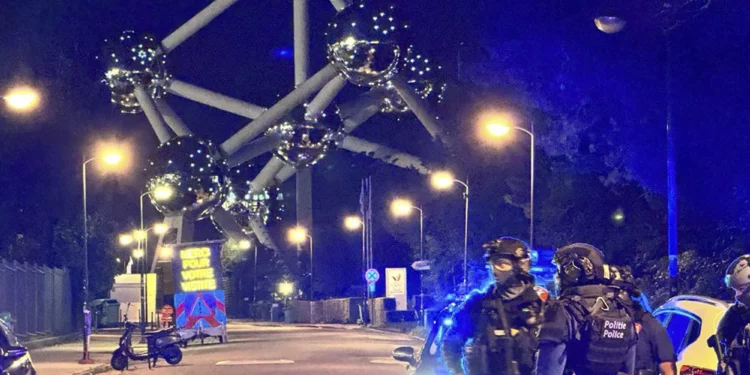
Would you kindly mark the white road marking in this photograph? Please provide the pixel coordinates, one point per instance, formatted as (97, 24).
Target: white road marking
(386, 361)
(255, 362)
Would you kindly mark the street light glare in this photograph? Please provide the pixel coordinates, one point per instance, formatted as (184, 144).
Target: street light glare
(22, 99)
(138, 253)
(352, 222)
(401, 207)
(245, 245)
(442, 180)
(498, 130)
(160, 228)
(162, 193)
(165, 252)
(286, 288)
(139, 235)
(112, 159)
(297, 235)
(126, 239)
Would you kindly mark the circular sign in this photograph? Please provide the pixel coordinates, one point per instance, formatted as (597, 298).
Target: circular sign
(372, 276)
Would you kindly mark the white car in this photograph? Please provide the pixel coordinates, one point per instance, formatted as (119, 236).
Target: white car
(690, 321)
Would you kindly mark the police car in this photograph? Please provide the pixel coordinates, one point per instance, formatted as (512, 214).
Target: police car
(690, 321)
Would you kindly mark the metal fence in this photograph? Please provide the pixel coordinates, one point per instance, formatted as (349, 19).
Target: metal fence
(37, 297)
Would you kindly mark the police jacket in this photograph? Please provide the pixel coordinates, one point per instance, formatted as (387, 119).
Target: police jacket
(479, 325)
(733, 337)
(587, 331)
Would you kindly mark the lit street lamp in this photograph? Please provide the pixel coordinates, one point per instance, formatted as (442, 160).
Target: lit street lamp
(297, 236)
(21, 99)
(110, 156)
(165, 252)
(353, 223)
(444, 180)
(500, 126)
(126, 239)
(402, 208)
(286, 289)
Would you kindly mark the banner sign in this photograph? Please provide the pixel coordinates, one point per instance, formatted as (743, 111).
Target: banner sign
(200, 309)
(395, 286)
(197, 266)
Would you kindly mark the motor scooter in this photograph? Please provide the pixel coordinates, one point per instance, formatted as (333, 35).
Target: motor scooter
(164, 344)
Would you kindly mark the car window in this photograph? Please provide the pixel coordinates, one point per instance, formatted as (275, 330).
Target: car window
(693, 333)
(662, 317)
(677, 328)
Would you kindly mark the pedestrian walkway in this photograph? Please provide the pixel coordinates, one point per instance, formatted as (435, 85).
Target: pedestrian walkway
(63, 359)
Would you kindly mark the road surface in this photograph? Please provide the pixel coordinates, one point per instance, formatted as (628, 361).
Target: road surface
(263, 349)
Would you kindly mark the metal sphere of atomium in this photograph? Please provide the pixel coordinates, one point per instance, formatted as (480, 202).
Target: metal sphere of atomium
(303, 143)
(190, 168)
(363, 42)
(242, 203)
(131, 60)
(423, 75)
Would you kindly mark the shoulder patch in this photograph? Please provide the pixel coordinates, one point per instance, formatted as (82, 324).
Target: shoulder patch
(542, 293)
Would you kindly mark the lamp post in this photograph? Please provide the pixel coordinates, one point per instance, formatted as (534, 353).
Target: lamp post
(297, 236)
(110, 158)
(353, 223)
(444, 180)
(499, 128)
(401, 208)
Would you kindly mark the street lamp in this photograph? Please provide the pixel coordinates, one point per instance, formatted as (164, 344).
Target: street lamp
(444, 180)
(297, 236)
(111, 157)
(401, 207)
(353, 223)
(286, 288)
(21, 99)
(138, 253)
(501, 125)
(165, 252)
(126, 239)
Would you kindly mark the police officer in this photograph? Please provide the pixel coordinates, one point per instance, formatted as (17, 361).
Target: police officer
(587, 331)
(732, 333)
(654, 351)
(494, 330)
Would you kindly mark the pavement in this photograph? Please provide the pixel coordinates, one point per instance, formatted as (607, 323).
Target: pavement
(255, 348)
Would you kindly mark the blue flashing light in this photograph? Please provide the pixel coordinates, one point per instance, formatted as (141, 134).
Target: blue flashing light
(448, 322)
(282, 52)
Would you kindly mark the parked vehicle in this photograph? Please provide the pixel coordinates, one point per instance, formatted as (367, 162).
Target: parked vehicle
(690, 322)
(164, 344)
(14, 358)
(428, 360)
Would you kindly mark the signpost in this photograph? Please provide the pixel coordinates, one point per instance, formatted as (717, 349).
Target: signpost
(372, 276)
(395, 286)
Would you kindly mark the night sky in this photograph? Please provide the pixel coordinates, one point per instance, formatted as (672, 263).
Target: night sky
(246, 53)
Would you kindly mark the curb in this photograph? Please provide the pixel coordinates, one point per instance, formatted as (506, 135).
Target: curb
(51, 341)
(95, 370)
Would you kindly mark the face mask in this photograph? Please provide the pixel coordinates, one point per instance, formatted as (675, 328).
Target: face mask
(502, 271)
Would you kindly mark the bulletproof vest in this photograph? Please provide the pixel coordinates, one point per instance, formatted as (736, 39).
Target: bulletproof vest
(738, 352)
(606, 330)
(506, 334)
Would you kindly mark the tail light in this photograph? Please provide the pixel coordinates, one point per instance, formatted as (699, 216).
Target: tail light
(690, 370)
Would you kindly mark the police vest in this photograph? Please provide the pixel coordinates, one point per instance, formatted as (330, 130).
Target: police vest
(606, 331)
(506, 334)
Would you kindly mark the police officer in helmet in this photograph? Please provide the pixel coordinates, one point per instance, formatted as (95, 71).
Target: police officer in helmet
(654, 351)
(494, 330)
(732, 333)
(587, 331)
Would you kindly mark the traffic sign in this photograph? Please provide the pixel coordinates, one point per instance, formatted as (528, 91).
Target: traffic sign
(421, 265)
(372, 276)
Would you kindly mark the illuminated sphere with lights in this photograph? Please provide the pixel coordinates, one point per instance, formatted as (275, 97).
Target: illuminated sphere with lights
(131, 60)
(242, 203)
(363, 42)
(303, 143)
(609, 24)
(189, 166)
(423, 75)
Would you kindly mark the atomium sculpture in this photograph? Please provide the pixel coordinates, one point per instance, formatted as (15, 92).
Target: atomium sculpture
(364, 47)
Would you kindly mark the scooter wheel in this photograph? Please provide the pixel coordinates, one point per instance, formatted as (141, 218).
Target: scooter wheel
(119, 361)
(172, 354)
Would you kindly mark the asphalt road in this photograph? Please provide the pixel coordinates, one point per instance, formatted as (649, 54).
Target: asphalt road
(262, 349)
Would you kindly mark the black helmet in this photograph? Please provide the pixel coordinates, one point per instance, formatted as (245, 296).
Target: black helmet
(507, 247)
(622, 277)
(738, 275)
(514, 254)
(580, 264)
